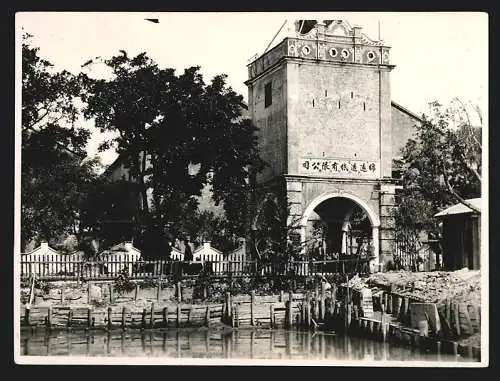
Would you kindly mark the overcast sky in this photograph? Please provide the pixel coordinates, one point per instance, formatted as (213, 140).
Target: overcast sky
(437, 55)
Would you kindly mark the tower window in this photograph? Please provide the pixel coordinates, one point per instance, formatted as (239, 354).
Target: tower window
(364, 106)
(313, 102)
(268, 94)
(352, 95)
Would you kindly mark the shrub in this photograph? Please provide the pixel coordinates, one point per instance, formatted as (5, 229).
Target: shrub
(123, 283)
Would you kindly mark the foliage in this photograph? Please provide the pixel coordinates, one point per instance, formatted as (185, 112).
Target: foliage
(166, 125)
(55, 175)
(443, 166)
(122, 283)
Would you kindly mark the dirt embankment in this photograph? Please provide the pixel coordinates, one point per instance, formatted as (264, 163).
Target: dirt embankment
(461, 286)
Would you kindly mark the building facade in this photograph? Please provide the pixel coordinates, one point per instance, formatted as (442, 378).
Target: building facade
(329, 132)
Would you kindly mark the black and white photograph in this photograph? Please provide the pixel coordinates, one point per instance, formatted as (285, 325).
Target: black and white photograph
(251, 188)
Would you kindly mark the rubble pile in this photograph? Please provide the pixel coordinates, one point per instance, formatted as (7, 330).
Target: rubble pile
(461, 286)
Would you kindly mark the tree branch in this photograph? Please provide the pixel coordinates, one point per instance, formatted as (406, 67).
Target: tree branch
(455, 194)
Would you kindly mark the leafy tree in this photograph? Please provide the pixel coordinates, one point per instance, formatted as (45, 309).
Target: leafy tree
(443, 166)
(55, 173)
(168, 124)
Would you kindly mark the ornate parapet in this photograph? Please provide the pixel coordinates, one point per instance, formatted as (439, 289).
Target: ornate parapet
(329, 41)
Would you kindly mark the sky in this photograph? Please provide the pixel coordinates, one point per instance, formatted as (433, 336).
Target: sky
(438, 55)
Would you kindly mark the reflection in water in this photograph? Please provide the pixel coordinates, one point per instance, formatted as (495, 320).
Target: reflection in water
(243, 344)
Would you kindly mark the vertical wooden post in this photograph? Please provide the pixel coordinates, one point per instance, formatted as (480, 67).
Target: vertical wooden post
(124, 318)
(271, 316)
(207, 316)
(136, 291)
(456, 318)
(190, 314)
(70, 317)
(406, 312)
(111, 296)
(397, 307)
(152, 317)
(382, 322)
(308, 310)
(62, 294)
(179, 292)
(89, 292)
(252, 306)
(228, 306)
(322, 302)
(288, 315)
(389, 304)
(27, 315)
(49, 317)
(178, 315)
(158, 290)
(282, 296)
(448, 310)
(110, 323)
(89, 317)
(165, 316)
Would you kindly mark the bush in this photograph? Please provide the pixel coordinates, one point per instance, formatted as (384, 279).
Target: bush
(123, 283)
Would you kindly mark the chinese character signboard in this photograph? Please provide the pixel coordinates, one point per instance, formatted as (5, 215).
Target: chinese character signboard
(339, 167)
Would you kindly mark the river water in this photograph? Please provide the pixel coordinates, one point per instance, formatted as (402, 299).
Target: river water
(217, 344)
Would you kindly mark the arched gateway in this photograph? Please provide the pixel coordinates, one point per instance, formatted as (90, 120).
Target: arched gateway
(371, 215)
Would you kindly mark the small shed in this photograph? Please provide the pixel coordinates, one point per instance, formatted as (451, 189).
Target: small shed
(461, 240)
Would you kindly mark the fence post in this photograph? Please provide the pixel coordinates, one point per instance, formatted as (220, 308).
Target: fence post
(136, 291)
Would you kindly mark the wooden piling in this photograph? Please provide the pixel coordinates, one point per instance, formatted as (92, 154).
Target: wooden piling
(288, 317)
(110, 323)
(178, 320)
(111, 293)
(252, 307)
(165, 316)
(282, 296)
(152, 316)
(228, 307)
(307, 314)
(322, 301)
(397, 307)
(406, 310)
(27, 315)
(158, 290)
(389, 304)
(179, 292)
(49, 317)
(70, 317)
(207, 317)
(89, 292)
(190, 314)
(124, 317)
(456, 318)
(62, 294)
(143, 318)
(136, 291)
(89, 317)
(271, 316)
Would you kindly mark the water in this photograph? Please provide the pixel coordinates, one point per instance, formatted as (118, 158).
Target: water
(242, 344)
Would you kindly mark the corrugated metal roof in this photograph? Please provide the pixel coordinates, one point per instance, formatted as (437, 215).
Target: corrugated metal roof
(460, 208)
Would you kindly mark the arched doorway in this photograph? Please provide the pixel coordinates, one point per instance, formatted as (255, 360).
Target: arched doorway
(336, 225)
